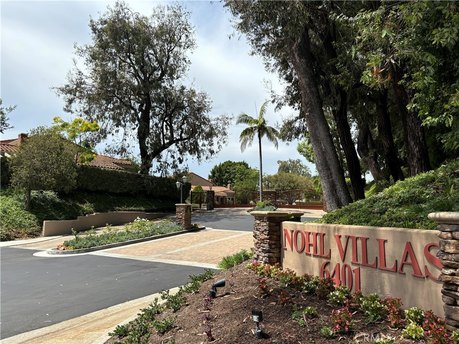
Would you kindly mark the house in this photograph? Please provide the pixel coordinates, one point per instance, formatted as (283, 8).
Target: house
(223, 194)
(10, 147)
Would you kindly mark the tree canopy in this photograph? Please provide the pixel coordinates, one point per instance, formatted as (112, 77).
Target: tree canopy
(229, 172)
(45, 161)
(374, 84)
(131, 84)
(294, 166)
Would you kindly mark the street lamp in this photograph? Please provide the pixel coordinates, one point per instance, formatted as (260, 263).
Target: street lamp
(180, 186)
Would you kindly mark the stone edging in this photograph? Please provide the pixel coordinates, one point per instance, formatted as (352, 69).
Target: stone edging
(118, 244)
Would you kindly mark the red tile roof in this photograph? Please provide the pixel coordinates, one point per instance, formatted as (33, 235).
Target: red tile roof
(11, 147)
(103, 161)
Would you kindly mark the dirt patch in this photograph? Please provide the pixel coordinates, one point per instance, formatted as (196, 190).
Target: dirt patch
(228, 318)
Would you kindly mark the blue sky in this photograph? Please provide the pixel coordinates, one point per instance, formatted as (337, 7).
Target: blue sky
(37, 48)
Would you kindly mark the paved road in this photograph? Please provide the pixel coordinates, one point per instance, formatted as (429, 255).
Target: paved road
(38, 292)
(225, 219)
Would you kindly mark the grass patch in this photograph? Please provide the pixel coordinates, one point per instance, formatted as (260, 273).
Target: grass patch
(139, 229)
(405, 204)
(235, 259)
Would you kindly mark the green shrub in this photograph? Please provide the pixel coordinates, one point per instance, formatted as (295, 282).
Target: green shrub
(339, 296)
(414, 314)
(407, 203)
(15, 222)
(327, 332)
(122, 182)
(413, 331)
(236, 259)
(164, 325)
(138, 229)
(373, 308)
(264, 206)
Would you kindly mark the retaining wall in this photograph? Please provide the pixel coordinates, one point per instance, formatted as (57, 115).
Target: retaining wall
(64, 227)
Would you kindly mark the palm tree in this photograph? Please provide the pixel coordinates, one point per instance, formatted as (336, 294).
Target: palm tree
(257, 126)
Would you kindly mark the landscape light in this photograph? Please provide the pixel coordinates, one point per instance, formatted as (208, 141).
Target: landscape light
(218, 284)
(257, 317)
(179, 185)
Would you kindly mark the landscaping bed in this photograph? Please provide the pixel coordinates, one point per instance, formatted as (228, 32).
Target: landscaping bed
(295, 310)
(136, 231)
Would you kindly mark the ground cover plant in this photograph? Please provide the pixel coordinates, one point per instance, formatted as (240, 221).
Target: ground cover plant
(407, 203)
(16, 222)
(138, 229)
(295, 309)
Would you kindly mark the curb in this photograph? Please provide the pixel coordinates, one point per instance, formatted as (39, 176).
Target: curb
(118, 244)
(64, 332)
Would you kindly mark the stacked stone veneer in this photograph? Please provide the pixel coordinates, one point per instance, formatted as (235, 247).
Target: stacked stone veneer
(267, 234)
(448, 225)
(183, 215)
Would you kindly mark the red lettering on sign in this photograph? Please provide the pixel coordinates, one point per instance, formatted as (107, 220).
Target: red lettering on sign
(432, 260)
(409, 258)
(322, 247)
(342, 251)
(308, 242)
(299, 249)
(355, 255)
(288, 239)
(364, 245)
(382, 257)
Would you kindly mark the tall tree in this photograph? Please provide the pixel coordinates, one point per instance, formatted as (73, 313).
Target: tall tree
(259, 128)
(131, 85)
(229, 172)
(282, 33)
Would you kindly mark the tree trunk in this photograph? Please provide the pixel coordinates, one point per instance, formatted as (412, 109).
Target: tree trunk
(331, 173)
(386, 137)
(352, 160)
(260, 177)
(416, 147)
(143, 133)
(365, 147)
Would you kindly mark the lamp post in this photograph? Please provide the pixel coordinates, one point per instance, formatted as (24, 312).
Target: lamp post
(180, 186)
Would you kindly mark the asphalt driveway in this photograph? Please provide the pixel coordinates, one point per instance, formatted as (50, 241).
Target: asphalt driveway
(38, 292)
(231, 219)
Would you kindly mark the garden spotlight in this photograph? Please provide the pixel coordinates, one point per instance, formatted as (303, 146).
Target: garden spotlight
(257, 317)
(213, 291)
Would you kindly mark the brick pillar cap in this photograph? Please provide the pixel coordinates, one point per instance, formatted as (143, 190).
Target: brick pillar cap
(182, 204)
(276, 213)
(449, 217)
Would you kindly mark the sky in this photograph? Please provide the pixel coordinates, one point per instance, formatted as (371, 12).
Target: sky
(37, 50)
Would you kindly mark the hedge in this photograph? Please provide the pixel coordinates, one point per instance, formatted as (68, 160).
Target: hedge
(120, 182)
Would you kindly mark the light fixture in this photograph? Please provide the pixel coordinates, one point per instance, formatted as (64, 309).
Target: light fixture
(257, 317)
(179, 185)
(218, 284)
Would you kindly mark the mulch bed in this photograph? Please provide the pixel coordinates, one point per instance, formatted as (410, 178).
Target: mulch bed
(230, 320)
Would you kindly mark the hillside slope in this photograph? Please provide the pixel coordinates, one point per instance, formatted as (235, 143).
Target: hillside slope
(407, 203)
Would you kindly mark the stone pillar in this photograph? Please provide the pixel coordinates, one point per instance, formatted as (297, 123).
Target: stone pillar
(183, 215)
(448, 225)
(210, 196)
(267, 233)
